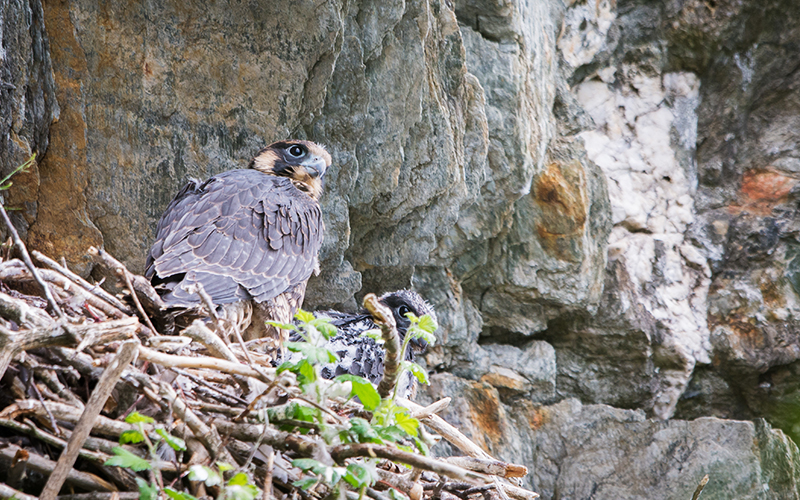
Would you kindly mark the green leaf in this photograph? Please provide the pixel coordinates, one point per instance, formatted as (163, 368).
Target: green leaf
(305, 483)
(394, 494)
(363, 390)
(306, 413)
(409, 424)
(282, 326)
(421, 446)
(413, 317)
(315, 355)
(147, 491)
(374, 334)
(304, 316)
(178, 495)
(391, 433)
(131, 437)
(126, 459)
(358, 475)
(324, 327)
(239, 488)
(224, 466)
(135, 417)
(239, 479)
(286, 366)
(363, 430)
(306, 373)
(428, 324)
(416, 370)
(416, 333)
(174, 442)
(204, 474)
(306, 464)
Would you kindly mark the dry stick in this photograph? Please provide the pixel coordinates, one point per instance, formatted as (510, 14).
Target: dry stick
(67, 413)
(170, 361)
(303, 445)
(100, 496)
(82, 430)
(343, 451)
(42, 465)
(493, 467)
(22, 312)
(125, 275)
(72, 288)
(140, 284)
(202, 382)
(703, 483)
(94, 289)
(13, 343)
(450, 433)
(199, 332)
(268, 468)
(27, 260)
(207, 435)
(9, 492)
(391, 343)
(432, 409)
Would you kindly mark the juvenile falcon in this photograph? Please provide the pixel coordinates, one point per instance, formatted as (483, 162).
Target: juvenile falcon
(363, 356)
(249, 236)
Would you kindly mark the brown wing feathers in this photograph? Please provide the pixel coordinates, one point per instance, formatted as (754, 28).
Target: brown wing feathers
(243, 234)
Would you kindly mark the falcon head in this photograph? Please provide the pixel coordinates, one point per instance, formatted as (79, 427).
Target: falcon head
(304, 162)
(402, 302)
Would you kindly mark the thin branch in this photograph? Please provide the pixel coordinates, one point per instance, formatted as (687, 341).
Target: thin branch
(268, 469)
(493, 467)
(391, 342)
(94, 289)
(125, 275)
(42, 465)
(96, 402)
(703, 483)
(9, 492)
(172, 361)
(344, 451)
(26, 258)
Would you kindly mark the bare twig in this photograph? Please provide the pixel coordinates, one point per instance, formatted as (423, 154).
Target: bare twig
(344, 451)
(26, 258)
(94, 289)
(391, 342)
(83, 480)
(493, 467)
(96, 402)
(172, 361)
(100, 496)
(125, 275)
(207, 435)
(431, 409)
(703, 483)
(268, 468)
(9, 492)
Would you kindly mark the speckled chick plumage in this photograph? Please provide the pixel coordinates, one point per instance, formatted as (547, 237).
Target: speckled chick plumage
(362, 355)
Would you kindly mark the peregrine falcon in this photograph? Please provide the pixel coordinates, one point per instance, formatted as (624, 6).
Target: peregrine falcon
(250, 237)
(362, 355)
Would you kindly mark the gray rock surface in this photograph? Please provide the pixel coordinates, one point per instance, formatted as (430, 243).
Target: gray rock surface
(599, 198)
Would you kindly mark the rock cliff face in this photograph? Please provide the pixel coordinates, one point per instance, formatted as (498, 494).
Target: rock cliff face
(600, 198)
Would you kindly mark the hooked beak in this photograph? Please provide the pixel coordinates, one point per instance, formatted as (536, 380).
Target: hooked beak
(315, 167)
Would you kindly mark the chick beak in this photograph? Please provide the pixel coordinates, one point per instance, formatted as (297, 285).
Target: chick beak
(315, 167)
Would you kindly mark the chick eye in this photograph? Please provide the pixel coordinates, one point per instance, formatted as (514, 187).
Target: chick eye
(402, 310)
(297, 151)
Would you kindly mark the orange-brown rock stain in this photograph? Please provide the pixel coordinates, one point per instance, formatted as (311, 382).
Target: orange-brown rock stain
(487, 412)
(762, 190)
(559, 194)
(62, 226)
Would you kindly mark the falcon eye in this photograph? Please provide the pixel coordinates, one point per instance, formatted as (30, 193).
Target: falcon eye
(297, 151)
(402, 310)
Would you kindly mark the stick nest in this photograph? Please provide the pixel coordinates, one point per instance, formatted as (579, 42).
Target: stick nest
(77, 361)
